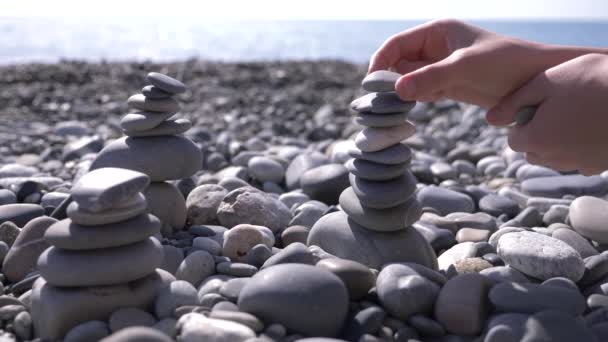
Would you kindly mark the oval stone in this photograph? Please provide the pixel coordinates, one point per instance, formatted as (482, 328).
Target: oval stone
(167, 203)
(154, 92)
(66, 234)
(382, 220)
(161, 158)
(381, 103)
(540, 256)
(375, 171)
(168, 105)
(335, 233)
(384, 120)
(396, 154)
(142, 121)
(386, 194)
(166, 83)
(101, 189)
(373, 139)
(357, 277)
(107, 266)
(380, 81)
(168, 127)
(305, 299)
(589, 217)
(20, 213)
(325, 183)
(132, 208)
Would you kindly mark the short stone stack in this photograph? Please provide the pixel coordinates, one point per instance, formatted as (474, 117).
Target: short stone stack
(102, 257)
(154, 145)
(380, 205)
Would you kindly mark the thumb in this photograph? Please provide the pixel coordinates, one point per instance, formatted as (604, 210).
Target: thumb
(426, 83)
(520, 104)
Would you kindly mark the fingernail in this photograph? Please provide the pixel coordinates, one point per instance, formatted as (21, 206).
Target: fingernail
(409, 89)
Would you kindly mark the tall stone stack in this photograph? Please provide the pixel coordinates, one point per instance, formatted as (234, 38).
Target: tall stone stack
(380, 205)
(154, 145)
(102, 257)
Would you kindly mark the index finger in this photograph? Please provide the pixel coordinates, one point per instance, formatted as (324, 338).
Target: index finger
(405, 45)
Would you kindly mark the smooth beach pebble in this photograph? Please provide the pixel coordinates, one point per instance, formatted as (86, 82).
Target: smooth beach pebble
(143, 121)
(384, 120)
(168, 127)
(325, 183)
(396, 154)
(385, 194)
(166, 83)
(372, 139)
(101, 189)
(290, 294)
(375, 171)
(154, 92)
(133, 207)
(588, 216)
(540, 256)
(381, 103)
(167, 105)
(380, 81)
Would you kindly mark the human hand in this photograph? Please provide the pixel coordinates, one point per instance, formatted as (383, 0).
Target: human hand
(452, 59)
(568, 131)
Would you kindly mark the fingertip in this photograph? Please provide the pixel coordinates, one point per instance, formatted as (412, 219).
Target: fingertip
(497, 116)
(406, 88)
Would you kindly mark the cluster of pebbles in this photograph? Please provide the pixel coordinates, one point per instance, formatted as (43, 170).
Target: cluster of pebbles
(436, 234)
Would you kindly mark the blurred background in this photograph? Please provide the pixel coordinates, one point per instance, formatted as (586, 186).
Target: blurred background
(242, 30)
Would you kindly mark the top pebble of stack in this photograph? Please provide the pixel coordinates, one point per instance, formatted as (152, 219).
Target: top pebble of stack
(380, 81)
(166, 83)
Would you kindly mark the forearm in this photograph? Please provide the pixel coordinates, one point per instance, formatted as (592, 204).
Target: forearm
(558, 54)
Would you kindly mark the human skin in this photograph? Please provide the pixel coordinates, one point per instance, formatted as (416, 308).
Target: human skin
(452, 59)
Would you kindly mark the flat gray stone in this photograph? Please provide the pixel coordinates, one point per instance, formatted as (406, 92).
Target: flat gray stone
(124, 211)
(381, 220)
(108, 266)
(497, 205)
(140, 102)
(325, 183)
(102, 188)
(71, 236)
(501, 274)
(56, 310)
(178, 293)
(142, 121)
(444, 200)
(384, 120)
(344, 238)
(540, 256)
(154, 92)
(380, 81)
(295, 253)
(197, 266)
(266, 169)
(386, 194)
(20, 213)
(588, 216)
(396, 154)
(138, 333)
(381, 103)
(576, 241)
(161, 158)
(357, 277)
(166, 83)
(530, 298)
(300, 164)
(375, 171)
(88, 331)
(557, 187)
(291, 294)
(167, 127)
(167, 203)
(373, 139)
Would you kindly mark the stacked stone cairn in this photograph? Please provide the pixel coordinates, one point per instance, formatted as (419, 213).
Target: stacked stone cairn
(103, 257)
(380, 205)
(154, 145)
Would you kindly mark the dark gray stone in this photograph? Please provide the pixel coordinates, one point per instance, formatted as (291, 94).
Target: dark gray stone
(530, 298)
(356, 276)
(291, 294)
(382, 220)
(381, 103)
(153, 92)
(384, 120)
(556, 326)
(557, 187)
(445, 201)
(497, 205)
(167, 105)
(294, 253)
(20, 213)
(168, 127)
(375, 171)
(386, 194)
(166, 83)
(300, 165)
(380, 81)
(325, 183)
(396, 154)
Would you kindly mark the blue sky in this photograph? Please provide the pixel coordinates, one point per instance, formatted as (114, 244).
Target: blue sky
(316, 9)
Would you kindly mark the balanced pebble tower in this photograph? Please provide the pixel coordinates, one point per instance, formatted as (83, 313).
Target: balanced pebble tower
(154, 145)
(102, 257)
(380, 205)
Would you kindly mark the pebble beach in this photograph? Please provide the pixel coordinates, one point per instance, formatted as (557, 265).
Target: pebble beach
(281, 201)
